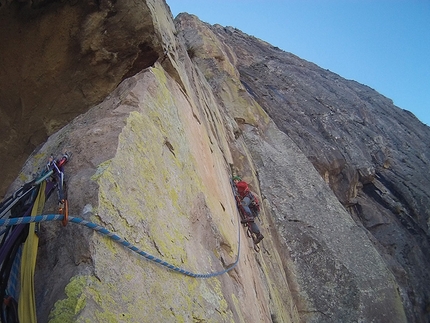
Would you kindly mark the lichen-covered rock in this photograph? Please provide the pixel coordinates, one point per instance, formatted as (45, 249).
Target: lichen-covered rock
(59, 58)
(154, 139)
(144, 167)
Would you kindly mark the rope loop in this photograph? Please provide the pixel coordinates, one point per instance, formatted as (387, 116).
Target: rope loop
(116, 238)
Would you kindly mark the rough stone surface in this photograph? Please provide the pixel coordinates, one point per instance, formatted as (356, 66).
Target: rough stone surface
(373, 155)
(344, 186)
(59, 58)
(146, 167)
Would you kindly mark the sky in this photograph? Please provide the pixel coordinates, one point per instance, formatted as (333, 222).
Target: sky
(384, 44)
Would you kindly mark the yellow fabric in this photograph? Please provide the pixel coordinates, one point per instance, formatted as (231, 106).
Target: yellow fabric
(27, 300)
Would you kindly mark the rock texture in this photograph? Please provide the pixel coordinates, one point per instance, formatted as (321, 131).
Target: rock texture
(59, 58)
(373, 155)
(157, 114)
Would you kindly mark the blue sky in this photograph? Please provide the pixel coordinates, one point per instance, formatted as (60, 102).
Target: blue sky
(384, 44)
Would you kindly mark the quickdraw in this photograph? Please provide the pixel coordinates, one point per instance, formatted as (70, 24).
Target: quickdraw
(63, 204)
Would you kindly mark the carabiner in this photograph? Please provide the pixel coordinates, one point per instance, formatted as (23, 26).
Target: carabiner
(63, 208)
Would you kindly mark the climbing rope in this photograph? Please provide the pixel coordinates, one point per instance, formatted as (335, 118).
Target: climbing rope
(116, 238)
(19, 241)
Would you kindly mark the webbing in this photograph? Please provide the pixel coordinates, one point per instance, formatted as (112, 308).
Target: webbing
(118, 239)
(27, 299)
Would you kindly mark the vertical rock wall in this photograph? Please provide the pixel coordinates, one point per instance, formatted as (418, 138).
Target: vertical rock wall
(372, 154)
(339, 273)
(152, 163)
(145, 167)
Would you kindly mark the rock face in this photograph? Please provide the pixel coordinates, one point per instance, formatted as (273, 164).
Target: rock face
(157, 113)
(59, 58)
(374, 156)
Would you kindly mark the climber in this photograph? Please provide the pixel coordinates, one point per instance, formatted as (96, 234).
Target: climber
(250, 206)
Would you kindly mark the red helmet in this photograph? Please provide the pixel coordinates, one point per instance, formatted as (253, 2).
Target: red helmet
(242, 187)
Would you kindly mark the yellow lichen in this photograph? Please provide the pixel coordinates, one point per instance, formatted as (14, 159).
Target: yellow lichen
(146, 192)
(66, 310)
(100, 169)
(237, 308)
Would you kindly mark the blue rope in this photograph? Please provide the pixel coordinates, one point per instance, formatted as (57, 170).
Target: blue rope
(114, 237)
(14, 275)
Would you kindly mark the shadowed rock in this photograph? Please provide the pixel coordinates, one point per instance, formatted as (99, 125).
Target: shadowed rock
(59, 58)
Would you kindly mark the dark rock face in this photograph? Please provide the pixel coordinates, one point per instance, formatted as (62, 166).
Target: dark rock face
(58, 59)
(374, 156)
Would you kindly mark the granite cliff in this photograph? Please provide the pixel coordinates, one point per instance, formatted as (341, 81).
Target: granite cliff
(157, 113)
